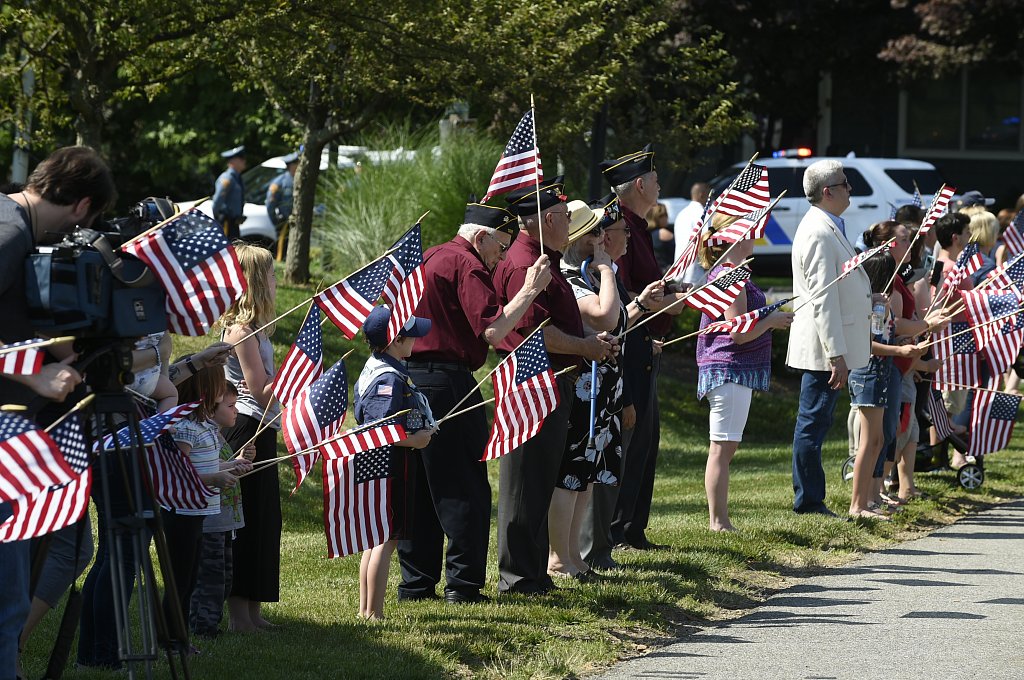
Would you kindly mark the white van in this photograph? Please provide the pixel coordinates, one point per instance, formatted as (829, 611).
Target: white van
(878, 184)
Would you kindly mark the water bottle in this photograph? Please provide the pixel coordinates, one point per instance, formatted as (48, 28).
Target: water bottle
(877, 318)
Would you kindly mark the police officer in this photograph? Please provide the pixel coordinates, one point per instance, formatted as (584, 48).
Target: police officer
(229, 193)
(453, 497)
(279, 200)
(635, 181)
(528, 474)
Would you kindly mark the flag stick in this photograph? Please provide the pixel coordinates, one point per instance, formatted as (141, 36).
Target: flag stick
(263, 464)
(77, 407)
(536, 175)
(980, 389)
(839, 278)
(36, 345)
(310, 299)
(971, 328)
(491, 372)
(698, 332)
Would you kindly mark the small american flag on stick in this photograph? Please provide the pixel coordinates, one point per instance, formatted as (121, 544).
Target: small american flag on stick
(520, 164)
(196, 266)
(714, 297)
(747, 194)
(404, 288)
(30, 461)
(26, 361)
(860, 258)
(959, 355)
(314, 415)
(385, 432)
(689, 254)
(992, 420)
(525, 392)
(937, 209)
(348, 302)
(939, 415)
(999, 340)
(744, 322)
(151, 427)
(304, 362)
(176, 483)
(1012, 237)
(357, 501)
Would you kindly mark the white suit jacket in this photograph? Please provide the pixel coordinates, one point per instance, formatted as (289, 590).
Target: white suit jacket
(839, 321)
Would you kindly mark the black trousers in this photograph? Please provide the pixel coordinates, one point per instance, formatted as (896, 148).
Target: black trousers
(452, 496)
(527, 480)
(633, 506)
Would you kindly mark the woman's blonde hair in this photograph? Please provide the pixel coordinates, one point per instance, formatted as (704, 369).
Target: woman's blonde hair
(256, 306)
(708, 254)
(984, 228)
(654, 214)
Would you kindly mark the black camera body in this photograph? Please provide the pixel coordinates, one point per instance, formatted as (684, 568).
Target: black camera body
(85, 286)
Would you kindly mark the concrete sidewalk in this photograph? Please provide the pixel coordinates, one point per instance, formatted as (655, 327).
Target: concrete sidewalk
(947, 606)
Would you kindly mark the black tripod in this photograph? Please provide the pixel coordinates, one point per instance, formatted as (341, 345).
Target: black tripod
(129, 513)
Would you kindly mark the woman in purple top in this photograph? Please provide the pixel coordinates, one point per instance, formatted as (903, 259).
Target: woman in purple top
(730, 367)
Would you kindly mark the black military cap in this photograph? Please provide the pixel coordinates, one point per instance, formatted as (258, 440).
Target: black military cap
(233, 153)
(608, 208)
(494, 217)
(524, 201)
(628, 167)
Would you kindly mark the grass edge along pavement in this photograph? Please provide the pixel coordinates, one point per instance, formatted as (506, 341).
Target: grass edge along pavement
(582, 628)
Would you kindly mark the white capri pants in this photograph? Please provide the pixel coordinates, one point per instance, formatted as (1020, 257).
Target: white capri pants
(730, 406)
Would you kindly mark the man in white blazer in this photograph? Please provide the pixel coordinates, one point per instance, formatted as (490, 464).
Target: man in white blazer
(831, 335)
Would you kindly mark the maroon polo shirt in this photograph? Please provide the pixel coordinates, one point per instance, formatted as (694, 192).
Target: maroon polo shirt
(460, 301)
(638, 267)
(556, 302)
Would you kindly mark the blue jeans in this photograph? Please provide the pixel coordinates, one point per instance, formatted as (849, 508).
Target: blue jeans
(14, 602)
(813, 420)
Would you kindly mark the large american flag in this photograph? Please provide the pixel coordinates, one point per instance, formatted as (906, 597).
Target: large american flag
(689, 253)
(176, 483)
(939, 415)
(956, 350)
(992, 420)
(1012, 236)
(525, 392)
(375, 435)
(937, 209)
(357, 501)
(197, 268)
(151, 427)
(751, 226)
(744, 322)
(57, 506)
(520, 164)
(1000, 341)
(16, 359)
(747, 194)
(315, 414)
(348, 303)
(304, 362)
(404, 288)
(714, 297)
(859, 259)
(30, 461)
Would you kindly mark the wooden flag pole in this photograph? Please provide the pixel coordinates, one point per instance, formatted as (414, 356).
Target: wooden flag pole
(980, 389)
(536, 175)
(568, 369)
(37, 345)
(77, 407)
(462, 401)
(839, 278)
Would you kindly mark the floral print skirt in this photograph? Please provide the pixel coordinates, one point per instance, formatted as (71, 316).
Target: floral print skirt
(599, 461)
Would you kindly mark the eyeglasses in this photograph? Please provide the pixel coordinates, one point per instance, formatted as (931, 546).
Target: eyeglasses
(596, 231)
(504, 248)
(844, 183)
(625, 229)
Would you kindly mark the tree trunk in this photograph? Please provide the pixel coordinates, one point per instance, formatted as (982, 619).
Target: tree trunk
(296, 267)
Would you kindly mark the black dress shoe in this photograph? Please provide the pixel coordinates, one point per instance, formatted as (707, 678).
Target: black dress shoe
(588, 576)
(605, 563)
(528, 588)
(417, 597)
(464, 597)
(644, 544)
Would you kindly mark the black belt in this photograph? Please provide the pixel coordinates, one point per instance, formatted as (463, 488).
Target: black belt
(437, 365)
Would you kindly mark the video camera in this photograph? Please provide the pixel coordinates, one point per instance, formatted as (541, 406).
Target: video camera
(86, 287)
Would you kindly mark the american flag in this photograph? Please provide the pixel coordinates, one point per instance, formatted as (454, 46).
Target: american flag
(520, 164)
(859, 259)
(915, 200)
(744, 322)
(176, 483)
(29, 459)
(57, 506)
(304, 362)
(959, 355)
(939, 415)
(151, 427)
(1012, 236)
(937, 209)
(750, 226)
(747, 194)
(992, 420)
(315, 414)
(714, 297)
(689, 253)
(405, 285)
(197, 268)
(1000, 341)
(28, 361)
(379, 434)
(357, 501)
(968, 262)
(348, 303)
(1011, 273)
(525, 392)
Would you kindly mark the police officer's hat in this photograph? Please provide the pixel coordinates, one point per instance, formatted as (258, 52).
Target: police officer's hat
(375, 328)
(492, 216)
(524, 201)
(608, 208)
(628, 167)
(237, 152)
(291, 158)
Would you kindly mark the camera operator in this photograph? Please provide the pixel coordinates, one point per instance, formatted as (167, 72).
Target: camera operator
(71, 187)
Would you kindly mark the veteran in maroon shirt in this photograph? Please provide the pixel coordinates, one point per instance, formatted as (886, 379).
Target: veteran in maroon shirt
(467, 316)
(528, 474)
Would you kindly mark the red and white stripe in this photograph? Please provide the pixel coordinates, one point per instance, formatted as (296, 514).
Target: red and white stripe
(48, 511)
(519, 411)
(30, 463)
(357, 517)
(14, 361)
(1000, 349)
(404, 302)
(1013, 239)
(989, 433)
(734, 201)
(345, 307)
(514, 172)
(364, 440)
(937, 209)
(176, 483)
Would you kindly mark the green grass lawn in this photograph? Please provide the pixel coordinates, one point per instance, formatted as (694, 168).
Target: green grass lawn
(580, 628)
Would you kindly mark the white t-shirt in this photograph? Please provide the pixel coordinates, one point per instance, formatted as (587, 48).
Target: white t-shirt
(686, 222)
